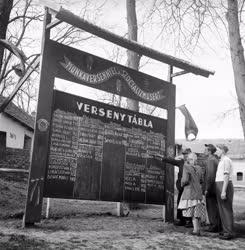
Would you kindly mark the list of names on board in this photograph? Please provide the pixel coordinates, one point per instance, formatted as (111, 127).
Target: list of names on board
(101, 152)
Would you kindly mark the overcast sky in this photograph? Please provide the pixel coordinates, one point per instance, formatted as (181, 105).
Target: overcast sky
(206, 98)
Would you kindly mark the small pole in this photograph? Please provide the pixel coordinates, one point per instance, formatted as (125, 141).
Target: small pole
(123, 209)
(119, 209)
(163, 213)
(48, 208)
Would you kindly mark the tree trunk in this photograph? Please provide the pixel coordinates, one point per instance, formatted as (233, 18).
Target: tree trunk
(5, 9)
(237, 57)
(133, 58)
(133, 62)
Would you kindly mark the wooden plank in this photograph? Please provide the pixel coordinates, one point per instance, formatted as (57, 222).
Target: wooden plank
(14, 170)
(41, 135)
(53, 24)
(90, 70)
(76, 21)
(169, 180)
(180, 73)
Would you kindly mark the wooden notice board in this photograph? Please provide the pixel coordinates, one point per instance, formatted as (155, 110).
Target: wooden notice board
(85, 149)
(101, 152)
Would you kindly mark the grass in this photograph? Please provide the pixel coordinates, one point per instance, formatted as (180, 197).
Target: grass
(77, 224)
(20, 242)
(13, 190)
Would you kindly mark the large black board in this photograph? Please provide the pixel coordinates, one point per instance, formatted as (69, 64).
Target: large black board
(100, 152)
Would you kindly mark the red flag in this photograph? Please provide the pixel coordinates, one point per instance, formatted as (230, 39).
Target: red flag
(190, 125)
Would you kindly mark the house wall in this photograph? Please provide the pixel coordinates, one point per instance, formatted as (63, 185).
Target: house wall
(15, 132)
(238, 166)
(15, 158)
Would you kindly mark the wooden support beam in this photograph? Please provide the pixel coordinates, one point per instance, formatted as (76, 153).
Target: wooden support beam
(179, 73)
(33, 209)
(76, 21)
(53, 24)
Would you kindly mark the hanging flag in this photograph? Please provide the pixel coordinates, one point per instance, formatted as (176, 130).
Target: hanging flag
(191, 129)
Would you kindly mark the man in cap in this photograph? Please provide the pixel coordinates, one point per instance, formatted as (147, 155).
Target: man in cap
(179, 161)
(211, 200)
(224, 192)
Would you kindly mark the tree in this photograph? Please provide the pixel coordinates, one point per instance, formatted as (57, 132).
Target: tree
(20, 24)
(21, 16)
(5, 9)
(185, 24)
(237, 55)
(133, 58)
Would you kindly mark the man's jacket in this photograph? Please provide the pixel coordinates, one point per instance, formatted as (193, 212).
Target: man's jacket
(212, 164)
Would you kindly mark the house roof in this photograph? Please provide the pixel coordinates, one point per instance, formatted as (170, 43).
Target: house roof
(18, 114)
(236, 146)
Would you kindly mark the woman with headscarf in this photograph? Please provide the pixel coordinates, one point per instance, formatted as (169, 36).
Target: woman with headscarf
(191, 199)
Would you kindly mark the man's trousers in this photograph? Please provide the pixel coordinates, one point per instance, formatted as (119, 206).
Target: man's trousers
(225, 207)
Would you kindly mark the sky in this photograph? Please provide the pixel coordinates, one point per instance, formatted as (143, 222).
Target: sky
(207, 99)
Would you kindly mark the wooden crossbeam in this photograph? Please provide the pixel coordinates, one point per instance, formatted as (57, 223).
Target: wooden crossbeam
(76, 21)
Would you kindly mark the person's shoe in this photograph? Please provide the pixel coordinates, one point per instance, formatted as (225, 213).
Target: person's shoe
(226, 237)
(179, 223)
(196, 233)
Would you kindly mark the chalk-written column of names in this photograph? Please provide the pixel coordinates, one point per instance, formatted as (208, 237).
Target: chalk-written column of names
(63, 147)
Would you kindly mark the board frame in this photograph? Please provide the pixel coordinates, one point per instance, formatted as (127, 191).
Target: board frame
(48, 72)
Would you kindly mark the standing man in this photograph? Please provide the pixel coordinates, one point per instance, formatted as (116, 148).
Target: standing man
(179, 161)
(224, 192)
(211, 200)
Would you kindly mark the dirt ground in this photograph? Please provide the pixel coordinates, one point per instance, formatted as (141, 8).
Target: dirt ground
(94, 225)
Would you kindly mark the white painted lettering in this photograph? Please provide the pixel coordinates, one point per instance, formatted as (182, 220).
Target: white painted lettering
(134, 120)
(116, 115)
(94, 110)
(122, 116)
(79, 105)
(86, 108)
(130, 118)
(150, 124)
(101, 112)
(109, 114)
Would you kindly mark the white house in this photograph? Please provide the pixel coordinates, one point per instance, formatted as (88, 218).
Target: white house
(16, 127)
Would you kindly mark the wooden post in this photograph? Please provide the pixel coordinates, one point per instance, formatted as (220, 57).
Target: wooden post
(170, 72)
(34, 200)
(164, 213)
(169, 181)
(48, 208)
(119, 209)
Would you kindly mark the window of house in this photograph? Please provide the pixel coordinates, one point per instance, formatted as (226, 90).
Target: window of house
(239, 176)
(27, 142)
(2, 139)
